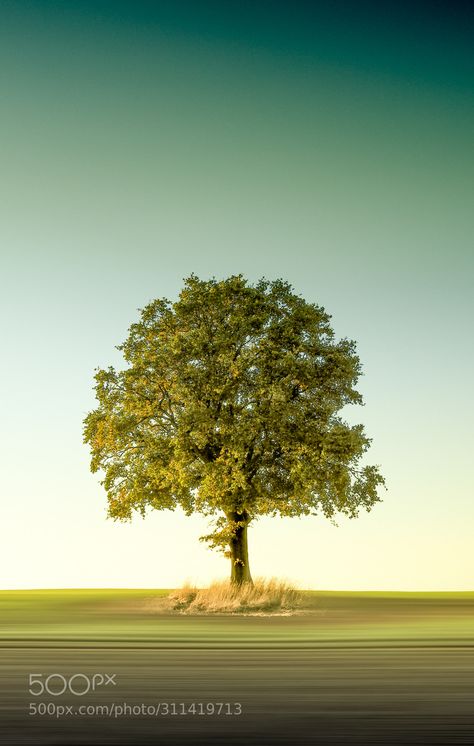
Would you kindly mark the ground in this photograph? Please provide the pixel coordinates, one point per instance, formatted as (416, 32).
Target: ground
(366, 668)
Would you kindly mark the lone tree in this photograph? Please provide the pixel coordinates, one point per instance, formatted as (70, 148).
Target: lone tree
(228, 406)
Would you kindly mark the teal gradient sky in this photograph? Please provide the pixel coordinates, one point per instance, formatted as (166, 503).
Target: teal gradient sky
(328, 144)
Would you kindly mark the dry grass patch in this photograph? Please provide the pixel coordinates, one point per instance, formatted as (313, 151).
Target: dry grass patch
(222, 597)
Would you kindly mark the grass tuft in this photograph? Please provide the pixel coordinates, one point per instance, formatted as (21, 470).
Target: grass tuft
(222, 597)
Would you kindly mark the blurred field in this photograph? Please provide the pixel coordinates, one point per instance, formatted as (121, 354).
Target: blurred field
(359, 667)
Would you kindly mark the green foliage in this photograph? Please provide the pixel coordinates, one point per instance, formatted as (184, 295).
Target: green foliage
(228, 406)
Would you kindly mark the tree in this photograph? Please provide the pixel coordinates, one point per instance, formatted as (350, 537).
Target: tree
(228, 406)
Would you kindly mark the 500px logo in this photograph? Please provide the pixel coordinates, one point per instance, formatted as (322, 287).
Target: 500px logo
(79, 684)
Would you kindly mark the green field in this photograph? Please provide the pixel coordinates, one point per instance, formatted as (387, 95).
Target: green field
(363, 667)
(111, 616)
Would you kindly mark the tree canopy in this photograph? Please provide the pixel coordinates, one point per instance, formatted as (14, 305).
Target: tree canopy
(228, 405)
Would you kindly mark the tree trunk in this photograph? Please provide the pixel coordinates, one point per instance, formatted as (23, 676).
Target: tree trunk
(239, 551)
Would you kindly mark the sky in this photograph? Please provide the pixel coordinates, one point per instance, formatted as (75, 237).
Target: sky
(329, 144)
